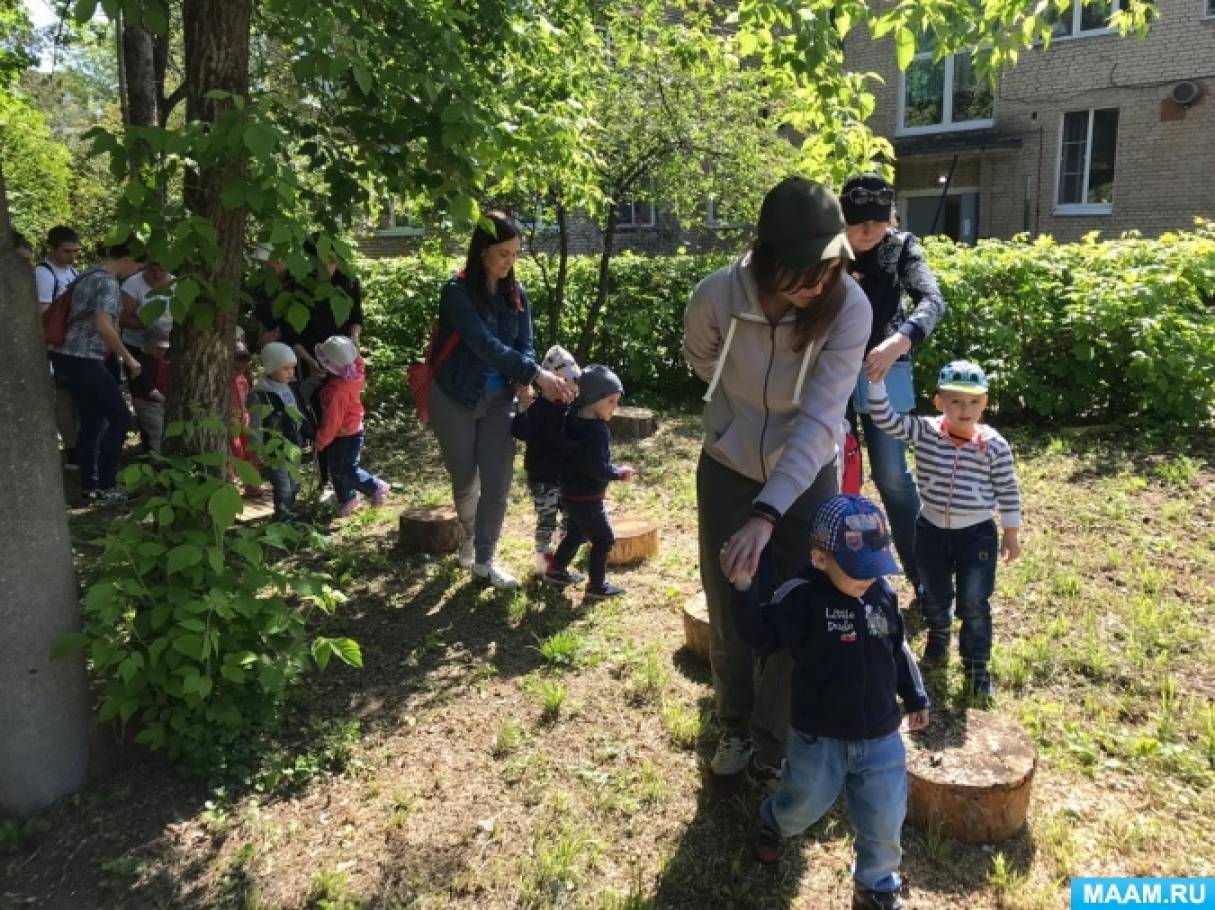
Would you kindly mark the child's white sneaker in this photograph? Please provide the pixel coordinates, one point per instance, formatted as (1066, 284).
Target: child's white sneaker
(467, 554)
(495, 575)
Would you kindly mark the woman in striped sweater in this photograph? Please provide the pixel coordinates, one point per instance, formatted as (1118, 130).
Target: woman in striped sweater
(964, 470)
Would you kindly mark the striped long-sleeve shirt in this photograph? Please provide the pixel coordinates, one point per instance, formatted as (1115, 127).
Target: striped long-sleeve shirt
(960, 485)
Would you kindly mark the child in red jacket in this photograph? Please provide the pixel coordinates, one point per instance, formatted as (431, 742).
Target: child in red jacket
(341, 429)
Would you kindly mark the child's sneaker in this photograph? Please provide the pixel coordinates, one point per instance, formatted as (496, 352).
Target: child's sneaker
(544, 561)
(382, 490)
(559, 578)
(348, 506)
(768, 846)
(978, 682)
(495, 575)
(864, 899)
(766, 776)
(599, 592)
(467, 554)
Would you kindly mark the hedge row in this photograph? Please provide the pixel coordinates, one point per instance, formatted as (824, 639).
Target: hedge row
(1119, 330)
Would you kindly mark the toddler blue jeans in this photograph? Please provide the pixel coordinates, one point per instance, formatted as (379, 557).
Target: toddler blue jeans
(873, 775)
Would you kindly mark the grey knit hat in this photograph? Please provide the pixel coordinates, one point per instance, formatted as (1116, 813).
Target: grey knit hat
(596, 383)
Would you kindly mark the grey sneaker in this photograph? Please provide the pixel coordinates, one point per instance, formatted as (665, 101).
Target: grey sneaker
(732, 755)
(496, 575)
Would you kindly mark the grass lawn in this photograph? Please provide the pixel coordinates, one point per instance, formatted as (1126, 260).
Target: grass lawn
(528, 750)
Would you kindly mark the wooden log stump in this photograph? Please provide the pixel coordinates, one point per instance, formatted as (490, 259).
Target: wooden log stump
(636, 541)
(633, 423)
(696, 629)
(971, 777)
(435, 530)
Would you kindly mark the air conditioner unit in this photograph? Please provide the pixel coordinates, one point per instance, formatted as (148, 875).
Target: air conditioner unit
(1186, 93)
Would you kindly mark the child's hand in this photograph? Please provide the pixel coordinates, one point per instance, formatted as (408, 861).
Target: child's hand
(917, 720)
(628, 473)
(1010, 544)
(156, 396)
(525, 395)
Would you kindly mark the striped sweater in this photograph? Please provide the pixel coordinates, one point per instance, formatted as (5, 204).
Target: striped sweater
(960, 485)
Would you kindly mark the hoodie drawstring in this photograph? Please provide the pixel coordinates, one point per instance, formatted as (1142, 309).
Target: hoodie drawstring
(721, 360)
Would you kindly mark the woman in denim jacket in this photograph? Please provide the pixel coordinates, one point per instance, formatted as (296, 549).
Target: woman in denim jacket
(472, 398)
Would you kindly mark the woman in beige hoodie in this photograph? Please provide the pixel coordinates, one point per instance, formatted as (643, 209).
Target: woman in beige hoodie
(778, 335)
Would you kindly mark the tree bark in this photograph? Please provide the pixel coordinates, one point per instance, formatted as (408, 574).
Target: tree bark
(605, 260)
(556, 303)
(44, 703)
(139, 65)
(216, 58)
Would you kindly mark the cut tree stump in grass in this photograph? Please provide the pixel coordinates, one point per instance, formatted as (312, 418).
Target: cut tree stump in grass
(633, 423)
(696, 630)
(435, 530)
(971, 778)
(636, 541)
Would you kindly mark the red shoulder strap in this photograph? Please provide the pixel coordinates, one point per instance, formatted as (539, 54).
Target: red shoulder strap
(449, 345)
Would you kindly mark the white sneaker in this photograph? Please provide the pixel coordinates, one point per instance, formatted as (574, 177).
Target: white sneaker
(732, 755)
(495, 575)
(467, 554)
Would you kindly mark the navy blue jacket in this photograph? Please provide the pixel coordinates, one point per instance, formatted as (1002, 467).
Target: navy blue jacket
(542, 427)
(849, 654)
(586, 462)
(498, 339)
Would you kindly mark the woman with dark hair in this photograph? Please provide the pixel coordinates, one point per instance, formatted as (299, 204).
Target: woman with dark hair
(890, 266)
(472, 398)
(779, 336)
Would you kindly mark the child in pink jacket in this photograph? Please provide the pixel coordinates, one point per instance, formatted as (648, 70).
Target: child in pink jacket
(341, 429)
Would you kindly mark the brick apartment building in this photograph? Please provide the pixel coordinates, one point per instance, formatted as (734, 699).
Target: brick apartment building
(1082, 136)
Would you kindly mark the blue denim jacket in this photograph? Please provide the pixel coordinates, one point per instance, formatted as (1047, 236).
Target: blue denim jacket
(498, 340)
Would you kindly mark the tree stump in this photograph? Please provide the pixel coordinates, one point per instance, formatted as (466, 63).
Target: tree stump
(636, 541)
(633, 423)
(434, 530)
(971, 777)
(696, 629)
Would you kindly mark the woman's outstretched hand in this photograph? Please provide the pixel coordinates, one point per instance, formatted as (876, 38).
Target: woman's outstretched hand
(879, 361)
(554, 387)
(740, 554)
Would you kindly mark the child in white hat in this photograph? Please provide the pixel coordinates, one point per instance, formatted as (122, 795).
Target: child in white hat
(341, 429)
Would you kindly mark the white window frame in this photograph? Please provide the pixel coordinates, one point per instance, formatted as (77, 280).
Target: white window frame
(946, 126)
(1082, 208)
(1077, 9)
(633, 224)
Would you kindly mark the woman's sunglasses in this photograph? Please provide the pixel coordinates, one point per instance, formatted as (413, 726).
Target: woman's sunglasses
(858, 195)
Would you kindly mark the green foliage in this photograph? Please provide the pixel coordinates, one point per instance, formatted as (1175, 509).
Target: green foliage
(1095, 331)
(195, 628)
(14, 835)
(36, 168)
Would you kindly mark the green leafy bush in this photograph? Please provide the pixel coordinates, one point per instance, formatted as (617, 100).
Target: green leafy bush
(1120, 330)
(194, 627)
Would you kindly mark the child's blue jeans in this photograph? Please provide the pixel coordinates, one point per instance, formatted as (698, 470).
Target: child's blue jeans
(285, 488)
(348, 476)
(873, 775)
(968, 555)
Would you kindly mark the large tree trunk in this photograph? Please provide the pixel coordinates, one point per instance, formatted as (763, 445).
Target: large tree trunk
(605, 261)
(556, 303)
(44, 703)
(143, 92)
(217, 58)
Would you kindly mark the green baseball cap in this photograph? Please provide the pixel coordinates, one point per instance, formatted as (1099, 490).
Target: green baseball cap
(803, 222)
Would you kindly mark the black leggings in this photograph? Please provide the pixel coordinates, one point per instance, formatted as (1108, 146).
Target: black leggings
(104, 418)
(585, 521)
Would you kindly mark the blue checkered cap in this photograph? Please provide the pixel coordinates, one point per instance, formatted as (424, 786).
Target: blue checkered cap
(854, 531)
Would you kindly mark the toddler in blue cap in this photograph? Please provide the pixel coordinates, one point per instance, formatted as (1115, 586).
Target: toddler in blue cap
(851, 665)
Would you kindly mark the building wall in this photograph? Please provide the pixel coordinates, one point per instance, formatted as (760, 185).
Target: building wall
(1165, 163)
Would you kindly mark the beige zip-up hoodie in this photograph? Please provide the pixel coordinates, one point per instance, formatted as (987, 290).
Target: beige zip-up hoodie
(772, 412)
